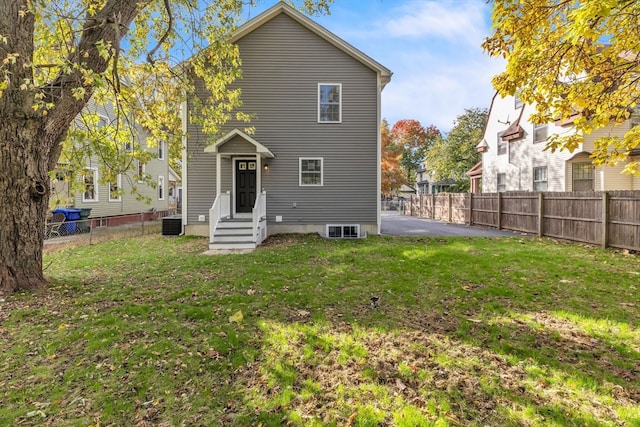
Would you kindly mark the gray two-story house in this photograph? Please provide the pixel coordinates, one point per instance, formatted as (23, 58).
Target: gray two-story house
(313, 163)
(141, 189)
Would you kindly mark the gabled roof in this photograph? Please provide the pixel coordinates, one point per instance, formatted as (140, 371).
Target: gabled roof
(320, 31)
(482, 146)
(260, 149)
(475, 170)
(514, 131)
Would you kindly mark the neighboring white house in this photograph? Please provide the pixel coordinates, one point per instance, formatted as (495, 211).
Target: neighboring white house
(514, 156)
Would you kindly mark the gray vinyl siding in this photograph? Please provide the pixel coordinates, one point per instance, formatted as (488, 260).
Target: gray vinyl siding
(283, 63)
(238, 145)
(128, 203)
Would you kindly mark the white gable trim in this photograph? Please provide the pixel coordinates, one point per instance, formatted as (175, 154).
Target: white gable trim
(260, 149)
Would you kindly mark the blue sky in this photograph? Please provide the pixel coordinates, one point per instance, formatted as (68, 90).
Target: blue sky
(432, 47)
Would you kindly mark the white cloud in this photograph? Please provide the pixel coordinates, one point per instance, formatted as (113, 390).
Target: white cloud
(441, 93)
(433, 48)
(459, 20)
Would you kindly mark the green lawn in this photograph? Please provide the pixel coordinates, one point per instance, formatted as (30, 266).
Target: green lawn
(486, 332)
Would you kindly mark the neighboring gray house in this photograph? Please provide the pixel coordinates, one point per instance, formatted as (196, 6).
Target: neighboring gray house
(114, 203)
(313, 163)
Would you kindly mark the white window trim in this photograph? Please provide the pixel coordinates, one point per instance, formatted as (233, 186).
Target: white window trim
(502, 143)
(321, 171)
(95, 186)
(119, 184)
(161, 185)
(161, 149)
(517, 101)
(546, 175)
(537, 129)
(142, 172)
(342, 226)
(339, 103)
(103, 120)
(504, 184)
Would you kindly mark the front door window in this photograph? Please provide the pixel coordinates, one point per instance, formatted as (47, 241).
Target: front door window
(245, 185)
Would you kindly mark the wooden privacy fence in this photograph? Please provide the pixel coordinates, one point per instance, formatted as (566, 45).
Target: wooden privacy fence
(610, 218)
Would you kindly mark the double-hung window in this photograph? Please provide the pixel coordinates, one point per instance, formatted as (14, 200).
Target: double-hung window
(517, 102)
(502, 144)
(539, 133)
(329, 102)
(501, 183)
(114, 189)
(160, 150)
(90, 180)
(582, 176)
(141, 172)
(311, 171)
(635, 118)
(160, 187)
(540, 178)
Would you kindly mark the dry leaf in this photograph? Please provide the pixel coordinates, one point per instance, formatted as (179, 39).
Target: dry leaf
(236, 317)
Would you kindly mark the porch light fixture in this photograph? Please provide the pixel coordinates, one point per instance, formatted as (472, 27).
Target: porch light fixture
(266, 167)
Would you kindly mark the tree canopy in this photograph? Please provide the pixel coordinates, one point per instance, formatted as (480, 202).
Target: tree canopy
(415, 141)
(392, 175)
(452, 156)
(573, 58)
(56, 55)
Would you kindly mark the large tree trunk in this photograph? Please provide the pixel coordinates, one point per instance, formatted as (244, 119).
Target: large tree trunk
(30, 137)
(24, 190)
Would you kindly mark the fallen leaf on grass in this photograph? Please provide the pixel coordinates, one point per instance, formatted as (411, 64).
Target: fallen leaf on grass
(236, 317)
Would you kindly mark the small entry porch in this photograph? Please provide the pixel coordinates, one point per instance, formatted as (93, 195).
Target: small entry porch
(238, 216)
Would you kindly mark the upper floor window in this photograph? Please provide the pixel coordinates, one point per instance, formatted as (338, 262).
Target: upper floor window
(114, 189)
(310, 171)
(160, 150)
(517, 102)
(502, 144)
(635, 118)
(90, 179)
(540, 178)
(103, 121)
(329, 102)
(539, 133)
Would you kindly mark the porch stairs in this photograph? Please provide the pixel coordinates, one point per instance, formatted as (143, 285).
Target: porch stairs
(235, 233)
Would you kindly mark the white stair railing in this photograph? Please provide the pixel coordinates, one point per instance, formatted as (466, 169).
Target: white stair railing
(259, 214)
(221, 208)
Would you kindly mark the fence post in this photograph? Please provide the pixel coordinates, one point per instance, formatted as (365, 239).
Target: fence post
(540, 214)
(449, 202)
(421, 206)
(433, 206)
(605, 219)
(499, 211)
(470, 209)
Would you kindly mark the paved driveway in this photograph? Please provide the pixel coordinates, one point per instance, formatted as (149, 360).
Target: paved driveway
(401, 225)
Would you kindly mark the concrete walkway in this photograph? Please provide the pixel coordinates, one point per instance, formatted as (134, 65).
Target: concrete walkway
(394, 224)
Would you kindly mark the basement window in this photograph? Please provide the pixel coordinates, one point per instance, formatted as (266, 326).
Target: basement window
(343, 231)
